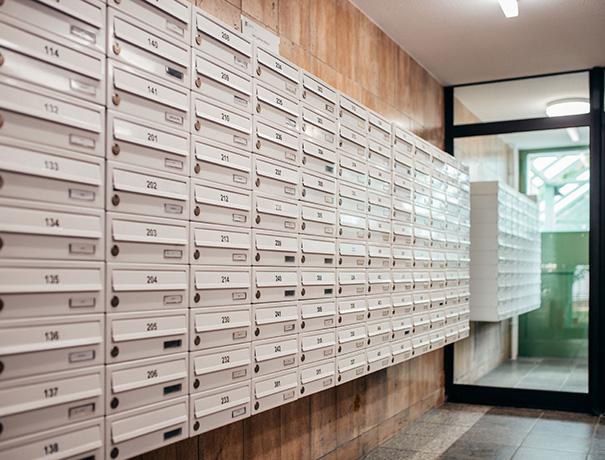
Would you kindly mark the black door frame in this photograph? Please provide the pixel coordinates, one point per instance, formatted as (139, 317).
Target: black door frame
(594, 400)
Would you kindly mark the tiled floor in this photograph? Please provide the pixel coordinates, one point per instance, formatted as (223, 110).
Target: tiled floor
(540, 373)
(457, 431)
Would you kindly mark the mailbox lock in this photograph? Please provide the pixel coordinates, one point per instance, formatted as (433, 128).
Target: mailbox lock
(1, 304)
(198, 39)
(198, 82)
(256, 368)
(116, 48)
(369, 262)
(303, 225)
(258, 71)
(196, 254)
(197, 168)
(303, 259)
(115, 301)
(302, 325)
(304, 94)
(115, 250)
(257, 182)
(340, 231)
(392, 360)
(197, 125)
(1, 121)
(197, 340)
(340, 290)
(196, 426)
(257, 332)
(115, 200)
(256, 405)
(1, 367)
(196, 211)
(258, 219)
(369, 341)
(339, 348)
(258, 108)
(115, 452)
(257, 257)
(1, 55)
(393, 263)
(115, 99)
(340, 317)
(302, 357)
(115, 402)
(304, 160)
(368, 368)
(302, 291)
(115, 149)
(258, 144)
(258, 294)
(339, 378)
(196, 383)
(340, 261)
(302, 390)
(1, 243)
(115, 351)
(304, 192)
(196, 297)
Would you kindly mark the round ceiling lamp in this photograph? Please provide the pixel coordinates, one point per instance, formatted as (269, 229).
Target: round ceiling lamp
(569, 106)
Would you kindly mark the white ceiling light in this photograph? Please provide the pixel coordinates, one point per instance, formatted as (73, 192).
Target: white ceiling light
(510, 8)
(564, 107)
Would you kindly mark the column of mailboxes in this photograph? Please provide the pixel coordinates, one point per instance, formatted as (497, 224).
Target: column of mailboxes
(52, 115)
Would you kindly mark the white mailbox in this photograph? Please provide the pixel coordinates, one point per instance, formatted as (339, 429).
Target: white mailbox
(41, 402)
(379, 230)
(277, 72)
(318, 189)
(135, 190)
(379, 129)
(352, 310)
(352, 226)
(379, 155)
(275, 355)
(403, 233)
(220, 245)
(131, 41)
(437, 339)
(379, 180)
(379, 357)
(317, 284)
(318, 94)
(401, 350)
(421, 344)
(274, 248)
(353, 171)
(422, 323)
(316, 377)
(379, 332)
(219, 326)
(403, 163)
(274, 390)
(273, 214)
(317, 252)
(351, 283)
(317, 346)
(145, 96)
(403, 281)
(379, 205)
(62, 122)
(317, 158)
(273, 178)
(276, 106)
(147, 144)
(214, 408)
(422, 237)
(221, 123)
(422, 301)
(275, 319)
(317, 314)
(219, 367)
(273, 141)
(352, 144)
(352, 198)
(352, 115)
(379, 255)
(132, 287)
(451, 334)
(379, 281)
(146, 239)
(213, 286)
(318, 127)
(403, 188)
(422, 280)
(379, 306)
(402, 327)
(464, 330)
(221, 43)
(437, 319)
(403, 257)
(136, 335)
(352, 254)
(44, 231)
(214, 162)
(220, 204)
(275, 284)
(422, 259)
(350, 367)
(351, 338)
(37, 345)
(216, 80)
(147, 428)
(50, 288)
(317, 220)
(146, 381)
(403, 304)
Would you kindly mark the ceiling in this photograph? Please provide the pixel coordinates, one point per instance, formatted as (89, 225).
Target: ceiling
(464, 41)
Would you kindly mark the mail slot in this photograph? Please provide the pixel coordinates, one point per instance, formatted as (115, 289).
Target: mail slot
(41, 402)
(352, 115)
(352, 254)
(84, 439)
(49, 288)
(403, 257)
(62, 122)
(316, 284)
(221, 82)
(317, 220)
(274, 390)
(276, 106)
(379, 281)
(170, 16)
(379, 357)
(220, 204)
(316, 377)
(350, 367)
(352, 198)
(421, 344)
(403, 281)
(220, 245)
(351, 283)
(214, 286)
(352, 310)
(27, 56)
(32, 172)
(132, 287)
(379, 205)
(137, 93)
(147, 144)
(403, 304)
(353, 171)
(422, 301)
(379, 129)
(275, 284)
(318, 159)
(221, 123)
(422, 323)
(274, 178)
(379, 179)
(273, 214)
(318, 127)
(147, 428)
(379, 155)
(352, 144)
(146, 381)
(379, 332)
(317, 314)
(277, 72)
(131, 41)
(318, 94)
(222, 406)
(402, 326)
(44, 231)
(403, 211)
(274, 248)
(317, 252)
(401, 350)
(275, 319)
(318, 189)
(141, 239)
(36, 345)
(351, 338)
(219, 326)
(379, 255)
(379, 306)
(422, 280)
(451, 334)
(219, 367)
(136, 335)
(273, 141)
(220, 42)
(274, 355)
(143, 191)
(352, 226)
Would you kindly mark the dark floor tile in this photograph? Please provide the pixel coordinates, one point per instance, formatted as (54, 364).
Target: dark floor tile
(530, 453)
(478, 450)
(573, 428)
(436, 429)
(453, 416)
(506, 436)
(516, 411)
(554, 441)
(420, 442)
(574, 416)
(384, 453)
